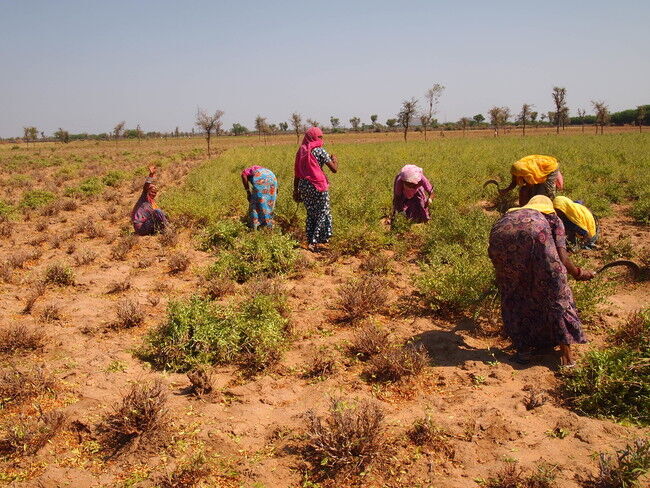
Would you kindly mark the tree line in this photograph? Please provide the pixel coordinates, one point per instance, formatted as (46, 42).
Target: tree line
(409, 117)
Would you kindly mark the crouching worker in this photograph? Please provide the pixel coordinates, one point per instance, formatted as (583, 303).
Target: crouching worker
(579, 223)
(147, 218)
(262, 190)
(412, 194)
(535, 175)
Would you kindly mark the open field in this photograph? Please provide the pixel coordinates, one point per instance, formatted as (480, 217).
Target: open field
(88, 310)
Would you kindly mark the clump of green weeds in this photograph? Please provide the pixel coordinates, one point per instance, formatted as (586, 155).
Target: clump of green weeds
(615, 381)
(625, 468)
(36, 198)
(513, 476)
(221, 235)
(255, 254)
(199, 331)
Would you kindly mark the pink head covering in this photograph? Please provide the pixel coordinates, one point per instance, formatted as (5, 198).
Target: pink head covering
(306, 166)
(250, 170)
(411, 174)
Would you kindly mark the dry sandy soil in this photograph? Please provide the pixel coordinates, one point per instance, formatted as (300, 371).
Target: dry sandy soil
(252, 429)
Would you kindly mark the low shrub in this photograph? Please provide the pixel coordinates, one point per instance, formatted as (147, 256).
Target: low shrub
(18, 386)
(635, 333)
(36, 198)
(88, 187)
(256, 254)
(512, 476)
(347, 439)
(168, 237)
(424, 432)
(121, 248)
(322, 365)
(612, 382)
(198, 331)
(377, 264)
(50, 313)
(625, 468)
(85, 257)
(221, 235)
(114, 178)
(640, 210)
(368, 341)
(360, 297)
(141, 415)
(178, 262)
(21, 338)
(27, 435)
(216, 287)
(396, 363)
(37, 292)
(60, 275)
(129, 314)
(187, 474)
(119, 286)
(200, 381)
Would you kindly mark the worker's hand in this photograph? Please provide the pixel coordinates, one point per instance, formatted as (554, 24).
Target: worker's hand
(504, 191)
(586, 275)
(248, 195)
(152, 170)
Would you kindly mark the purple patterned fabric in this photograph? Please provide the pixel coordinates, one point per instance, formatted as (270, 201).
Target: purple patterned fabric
(536, 302)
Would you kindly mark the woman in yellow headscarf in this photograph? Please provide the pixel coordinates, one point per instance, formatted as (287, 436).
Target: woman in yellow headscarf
(536, 175)
(579, 223)
(528, 251)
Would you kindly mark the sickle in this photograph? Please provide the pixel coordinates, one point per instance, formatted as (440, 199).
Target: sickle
(621, 262)
(491, 182)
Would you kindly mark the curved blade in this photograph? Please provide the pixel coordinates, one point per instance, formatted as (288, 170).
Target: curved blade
(621, 262)
(491, 182)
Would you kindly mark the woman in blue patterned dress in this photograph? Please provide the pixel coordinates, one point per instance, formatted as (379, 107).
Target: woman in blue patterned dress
(261, 188)
(528, 251)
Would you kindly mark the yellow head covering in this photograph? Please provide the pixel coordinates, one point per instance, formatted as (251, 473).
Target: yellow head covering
(533, 169)
(576, 213)
(541, 203)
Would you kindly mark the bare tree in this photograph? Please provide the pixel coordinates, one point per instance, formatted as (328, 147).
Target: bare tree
(602, 114)
(117, 131)
(354, 123)
(30, 134)
(463, 123)
(296, 123)
(432, 96)
(581, 116)
(559, 98)
(525, 116)
(406, 114)
(261, 126)
(640, 116)
(62, 135)
(208, 123)
(335, 122)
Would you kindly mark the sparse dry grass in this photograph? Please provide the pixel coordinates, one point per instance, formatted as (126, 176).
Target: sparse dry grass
(368, 341)
(511, 475)
(121, 248)
(187, 474)
(216, 287)
(347, 439)
(178, 262)
(85, 257)
(50, 313)
(140, 416)
(37, 291)
(398, 362)
(20, 385)
(424, 432)
(322, 365)
(129, 314)
(29, 434)
(119, 286)
(359, 298)
(21, 338)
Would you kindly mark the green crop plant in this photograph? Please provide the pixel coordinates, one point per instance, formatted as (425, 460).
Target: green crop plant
(198, 331)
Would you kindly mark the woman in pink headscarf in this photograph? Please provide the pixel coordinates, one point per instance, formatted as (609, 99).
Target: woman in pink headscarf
(310, 186)
(412, 194)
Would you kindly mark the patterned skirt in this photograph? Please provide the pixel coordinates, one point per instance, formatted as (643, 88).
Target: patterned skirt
(537, 305)
(319, 214)
(262, 202)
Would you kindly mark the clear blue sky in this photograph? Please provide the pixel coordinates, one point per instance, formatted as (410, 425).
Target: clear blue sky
(84, 65)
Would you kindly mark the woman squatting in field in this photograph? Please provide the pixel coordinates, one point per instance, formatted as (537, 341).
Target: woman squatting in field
(528, 251)
(412, 194)
(536, 175)
(147, 218)
(310, 186)
(579, 223)
(261, 188)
